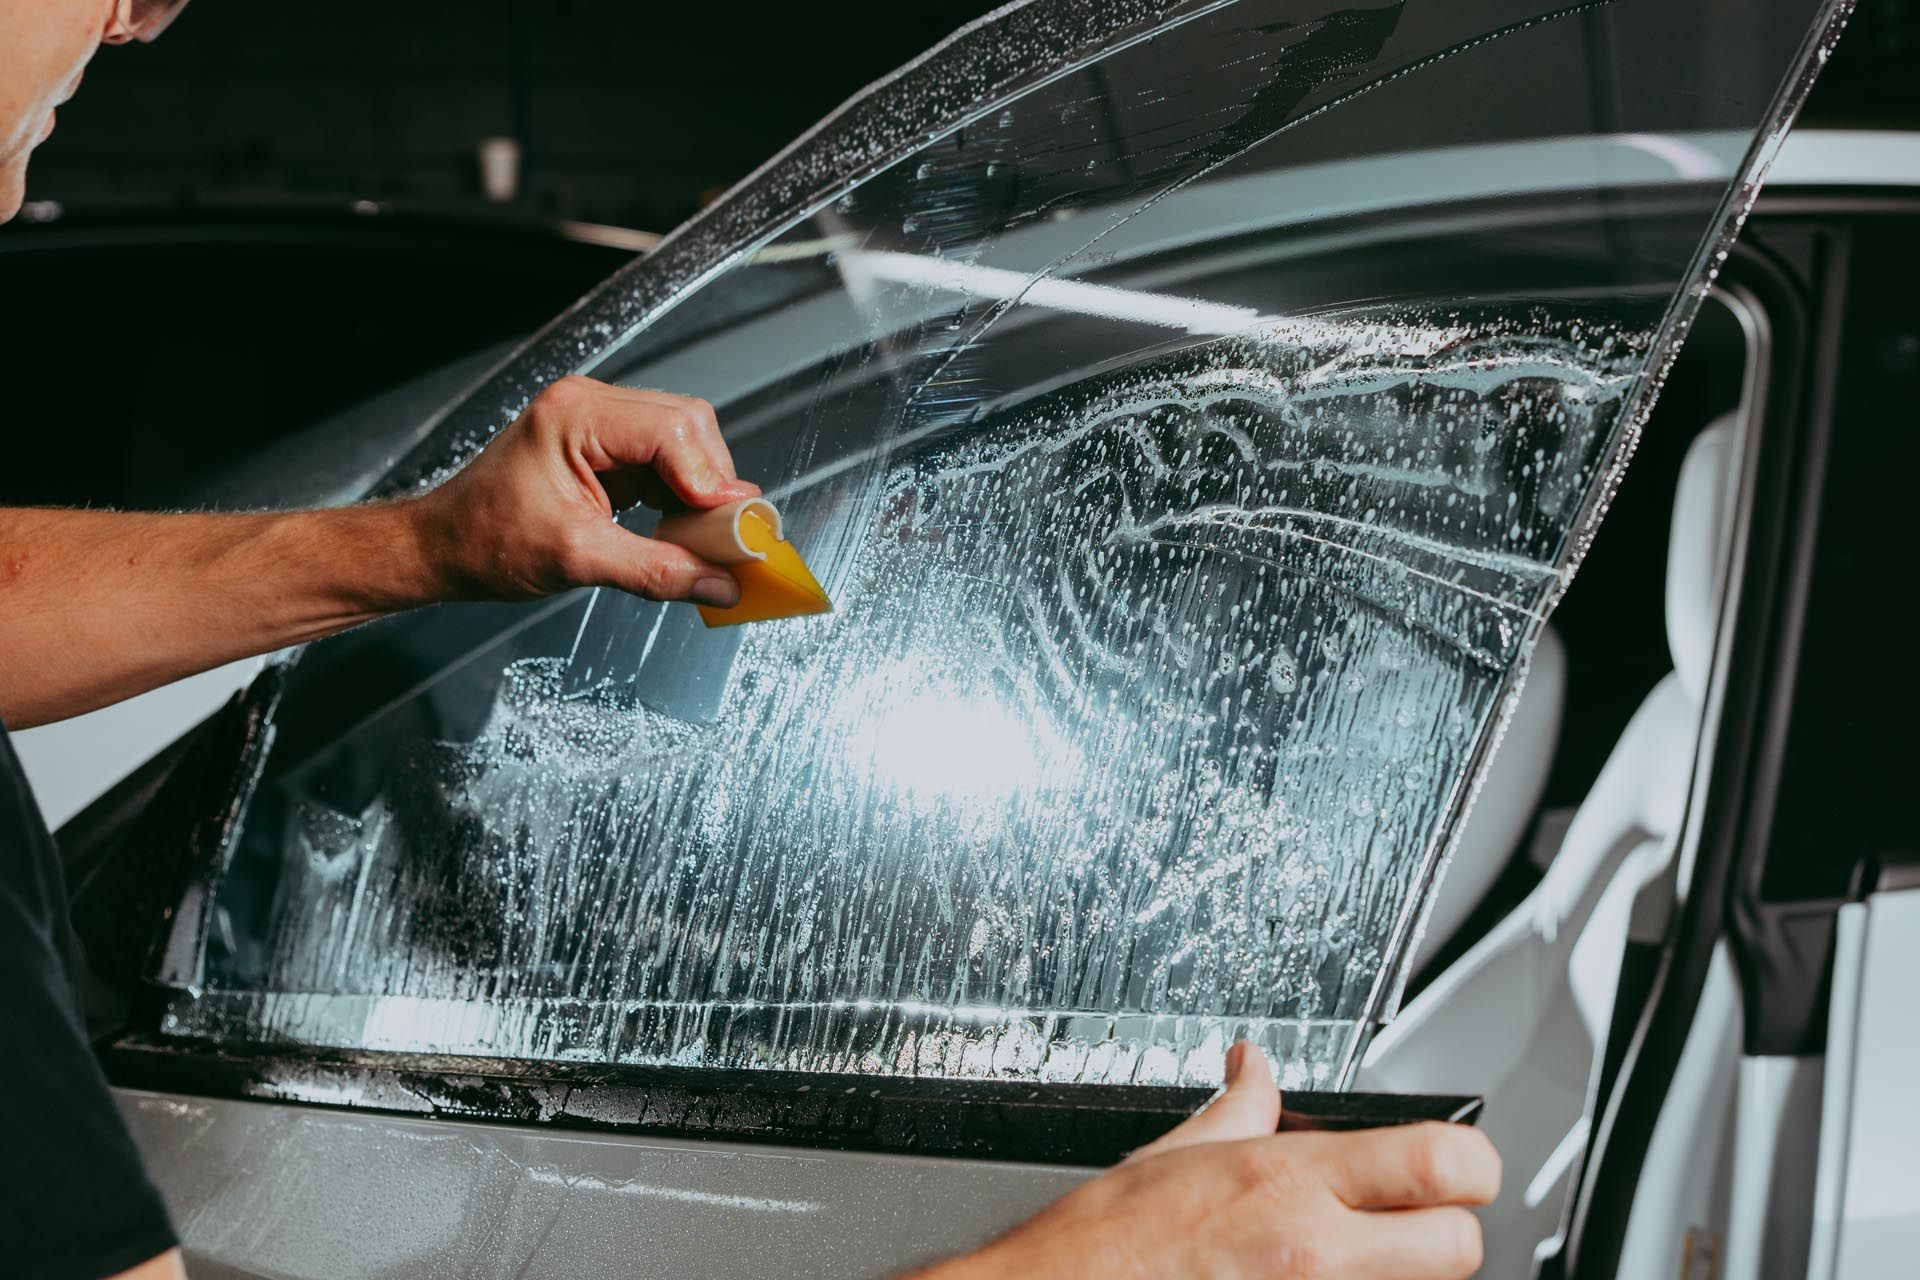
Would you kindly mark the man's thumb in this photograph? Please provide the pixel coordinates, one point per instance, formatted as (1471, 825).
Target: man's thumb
(655, 570)
(1249, 1107)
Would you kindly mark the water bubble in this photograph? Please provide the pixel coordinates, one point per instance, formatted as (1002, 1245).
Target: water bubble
(1283, 671)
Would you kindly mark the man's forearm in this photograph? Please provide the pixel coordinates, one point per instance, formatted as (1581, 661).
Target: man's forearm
(96, 606)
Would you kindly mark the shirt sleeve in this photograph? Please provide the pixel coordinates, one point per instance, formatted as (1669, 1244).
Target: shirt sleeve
(75, 1201)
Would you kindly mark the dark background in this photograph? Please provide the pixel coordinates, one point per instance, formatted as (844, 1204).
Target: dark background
(628, 113)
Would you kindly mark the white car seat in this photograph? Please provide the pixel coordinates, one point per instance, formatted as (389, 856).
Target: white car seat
(1522, 1017)
(1516, 779)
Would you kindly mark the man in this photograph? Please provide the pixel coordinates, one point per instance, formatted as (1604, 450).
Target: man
(97, 606)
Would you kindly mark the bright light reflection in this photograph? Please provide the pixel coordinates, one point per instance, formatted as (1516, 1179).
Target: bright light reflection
(937, 744)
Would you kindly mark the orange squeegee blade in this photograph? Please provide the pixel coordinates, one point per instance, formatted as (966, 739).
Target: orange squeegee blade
(781, 586)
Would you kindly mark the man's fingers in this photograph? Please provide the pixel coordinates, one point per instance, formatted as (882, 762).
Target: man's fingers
(1249, 1107)
(613, 557)
(1417, 1244)
(677, 436)
(1411, 1166)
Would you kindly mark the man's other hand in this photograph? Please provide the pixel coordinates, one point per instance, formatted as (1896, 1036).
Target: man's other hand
(532, 515)
(1225, 1197)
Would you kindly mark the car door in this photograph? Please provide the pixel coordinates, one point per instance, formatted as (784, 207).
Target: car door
(1194, 411)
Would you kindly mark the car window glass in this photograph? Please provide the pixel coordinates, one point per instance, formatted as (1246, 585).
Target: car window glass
(1191, 437)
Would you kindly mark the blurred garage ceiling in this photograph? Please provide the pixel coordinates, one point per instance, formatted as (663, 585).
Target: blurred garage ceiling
(623, 113)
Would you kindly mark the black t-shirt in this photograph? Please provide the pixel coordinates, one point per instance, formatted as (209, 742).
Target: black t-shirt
(75, 1203)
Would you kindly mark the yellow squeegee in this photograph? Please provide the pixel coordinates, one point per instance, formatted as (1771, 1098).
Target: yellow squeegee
(746, 537)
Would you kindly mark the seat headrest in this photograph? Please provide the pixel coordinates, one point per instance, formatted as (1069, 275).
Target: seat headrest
(1696, 553)
(1509, 795)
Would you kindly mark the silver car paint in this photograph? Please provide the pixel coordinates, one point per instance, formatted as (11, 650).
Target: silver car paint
(258, 1189)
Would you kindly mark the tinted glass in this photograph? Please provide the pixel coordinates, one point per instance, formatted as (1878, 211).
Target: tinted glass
(1191, 436)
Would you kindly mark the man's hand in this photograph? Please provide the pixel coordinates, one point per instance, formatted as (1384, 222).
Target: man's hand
(533, 514)
(96, 606)
(1223, 1196)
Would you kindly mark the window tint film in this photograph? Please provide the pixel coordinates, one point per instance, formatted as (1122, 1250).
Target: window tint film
(1192, 412)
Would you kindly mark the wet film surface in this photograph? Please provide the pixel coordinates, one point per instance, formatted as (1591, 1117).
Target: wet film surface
(1188, 489)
